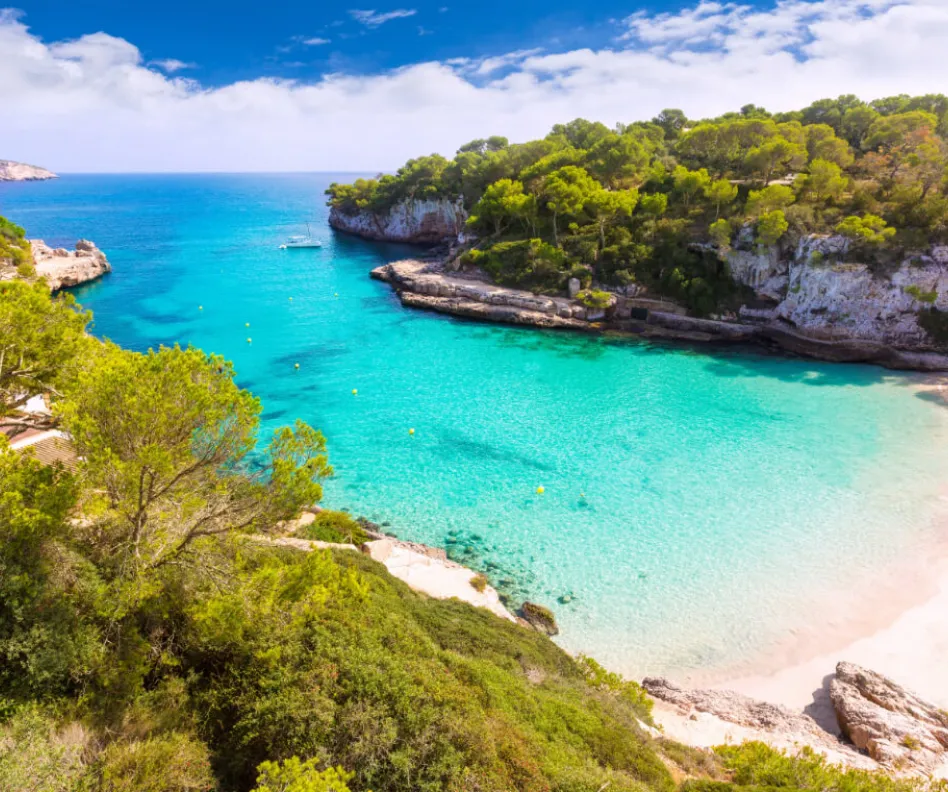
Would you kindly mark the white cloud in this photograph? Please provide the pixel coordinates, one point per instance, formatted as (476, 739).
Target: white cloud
(92, 104)
(315, 41)
(172, 65)
(376, 18)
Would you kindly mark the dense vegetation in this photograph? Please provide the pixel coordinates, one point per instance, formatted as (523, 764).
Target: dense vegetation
(626, 206)
(14, 249)
(151, 642)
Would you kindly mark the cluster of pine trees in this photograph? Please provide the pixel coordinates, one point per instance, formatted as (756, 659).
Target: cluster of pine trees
(625, 205)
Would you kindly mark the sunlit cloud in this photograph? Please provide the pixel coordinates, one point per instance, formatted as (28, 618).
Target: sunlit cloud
(706, 59)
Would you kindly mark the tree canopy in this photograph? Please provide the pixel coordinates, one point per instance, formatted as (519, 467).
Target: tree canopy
(781, 175)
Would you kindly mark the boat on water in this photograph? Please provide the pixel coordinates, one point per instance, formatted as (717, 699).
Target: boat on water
(302, 241)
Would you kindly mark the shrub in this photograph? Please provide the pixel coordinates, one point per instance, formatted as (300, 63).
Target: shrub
(632, 692)
(37, 753)
(170, 763)
(597, 300)
(922, 296)
(292, 775)
(334, 526)
(479, 583)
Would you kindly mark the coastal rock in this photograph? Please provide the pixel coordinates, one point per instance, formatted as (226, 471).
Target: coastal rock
(18, 171)
(893, 725)
(733, 708)
(824, 296)
(63, 268)
(416, 222)
(573, 287)
(540, 618)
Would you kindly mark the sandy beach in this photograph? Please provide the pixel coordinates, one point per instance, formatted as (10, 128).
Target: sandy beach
(899, 628)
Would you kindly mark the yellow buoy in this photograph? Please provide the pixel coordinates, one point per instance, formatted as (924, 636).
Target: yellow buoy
(540, 490)
(336, 294)
(200, 307)
(411, 431)
(355, 392)
(582, 495)
(296, 365)
(291, 299)
(249, 340)
(246, 324)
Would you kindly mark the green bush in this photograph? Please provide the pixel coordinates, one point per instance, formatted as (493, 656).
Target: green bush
(334, 526)
(479, 583)
(293, 775)
(597, 300)
(170, 763)
(527, 264)
(921, 296)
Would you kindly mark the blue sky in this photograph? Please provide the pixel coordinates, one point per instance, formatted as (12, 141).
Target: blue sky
(243, 39)
(103, 85)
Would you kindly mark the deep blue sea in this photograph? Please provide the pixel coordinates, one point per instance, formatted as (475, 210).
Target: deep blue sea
(699, 506)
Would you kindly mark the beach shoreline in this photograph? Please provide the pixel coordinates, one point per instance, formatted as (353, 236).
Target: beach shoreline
(899, 628)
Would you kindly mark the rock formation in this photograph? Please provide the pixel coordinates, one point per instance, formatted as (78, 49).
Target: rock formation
(818, 289)
(416, 222)
(894, 726)
(876, 718)
(17, 171)
(64, 268)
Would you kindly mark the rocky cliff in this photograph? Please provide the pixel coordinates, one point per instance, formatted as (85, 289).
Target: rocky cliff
(415, 222)
(821, 290)
(17, 171)
(64, 268)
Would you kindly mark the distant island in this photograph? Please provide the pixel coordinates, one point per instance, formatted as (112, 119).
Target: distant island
(822, 230)
(18, 171)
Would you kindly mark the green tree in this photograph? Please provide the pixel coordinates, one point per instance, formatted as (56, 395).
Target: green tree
(500, 202)
(891, 131)
(822, 143)
(41, 339)
(565, 193)
(770, 199)
(618, 159)
(774, 157)
(672, 122)
(771, 227)
(607, 207)
(691, 184)
(721, 193)
(165, 437)
(721, 231)
(856, 123)
(824, 182)
(868, 229)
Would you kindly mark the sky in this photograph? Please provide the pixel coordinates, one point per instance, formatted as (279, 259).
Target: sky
(118, 86)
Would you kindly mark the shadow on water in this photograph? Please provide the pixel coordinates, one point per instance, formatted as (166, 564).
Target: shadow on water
(457, 444)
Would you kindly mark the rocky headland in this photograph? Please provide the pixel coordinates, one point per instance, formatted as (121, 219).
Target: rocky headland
(18, 171)
(813, 299)
(414, 222)
(65, 268)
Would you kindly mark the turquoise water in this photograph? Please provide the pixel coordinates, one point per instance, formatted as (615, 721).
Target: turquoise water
(699, 506)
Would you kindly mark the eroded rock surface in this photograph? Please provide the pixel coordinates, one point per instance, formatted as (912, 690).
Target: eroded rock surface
(416, 222)
(64, 268)
(893, 725)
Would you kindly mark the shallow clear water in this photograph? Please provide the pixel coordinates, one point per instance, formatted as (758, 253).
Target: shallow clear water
(699, 506)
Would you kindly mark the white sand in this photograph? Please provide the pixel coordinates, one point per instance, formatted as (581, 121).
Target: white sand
(435, 577)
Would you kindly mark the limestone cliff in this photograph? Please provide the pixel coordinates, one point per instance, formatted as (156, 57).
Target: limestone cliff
(819, 288)
(64, 268)
(415, 222)
(17, 171)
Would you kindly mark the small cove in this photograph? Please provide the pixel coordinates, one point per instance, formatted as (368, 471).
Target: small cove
(699, 505)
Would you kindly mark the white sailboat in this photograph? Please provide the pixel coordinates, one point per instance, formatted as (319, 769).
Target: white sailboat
(302, 241)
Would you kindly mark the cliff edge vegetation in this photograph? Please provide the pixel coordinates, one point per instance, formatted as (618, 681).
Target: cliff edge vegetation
(656, 206)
